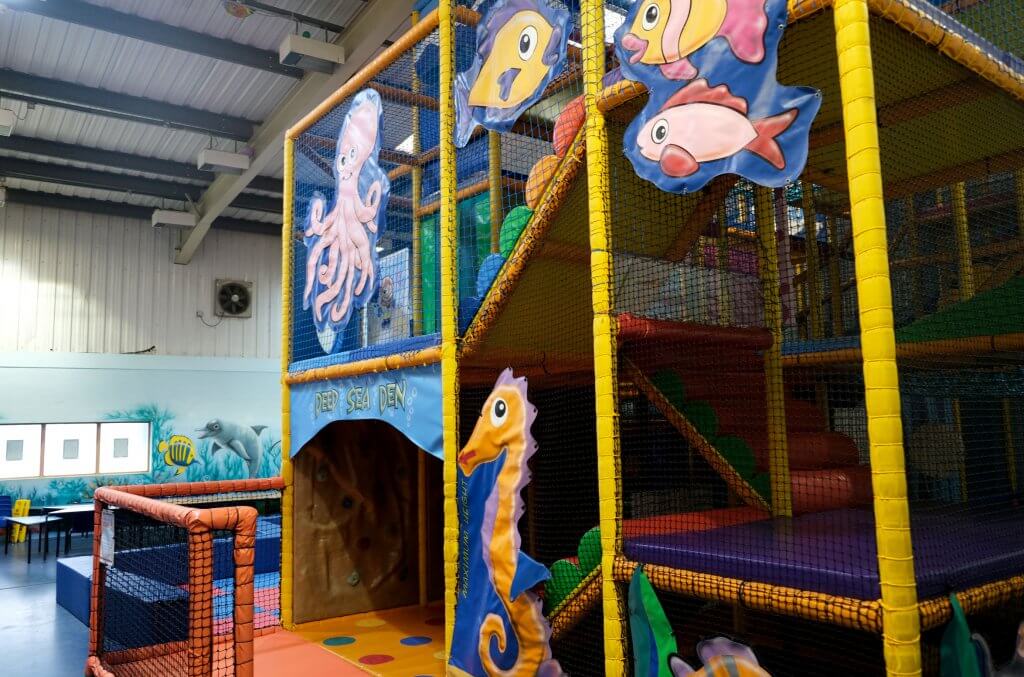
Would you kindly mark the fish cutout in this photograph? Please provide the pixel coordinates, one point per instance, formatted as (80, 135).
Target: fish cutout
(521, 47)
(664, 33)
(701, 124)
(721, 657)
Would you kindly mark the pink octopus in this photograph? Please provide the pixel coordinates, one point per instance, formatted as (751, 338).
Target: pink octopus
(343, 231)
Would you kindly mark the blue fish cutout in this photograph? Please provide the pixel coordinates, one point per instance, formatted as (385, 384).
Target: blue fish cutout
(732, 118)
(521, 47)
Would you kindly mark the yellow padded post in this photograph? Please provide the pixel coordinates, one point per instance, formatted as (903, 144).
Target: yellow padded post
(449, 307)
(965, 265)
(1011, 447)
(836, 293)
(1018, 184)
(724, 297)
(494, 187)
(811, 249)
(775, 398)
(417, 197)
(605, 357)
(288, 496)
(900, 616)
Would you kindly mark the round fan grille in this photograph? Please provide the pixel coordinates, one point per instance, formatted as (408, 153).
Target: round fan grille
(233, 298)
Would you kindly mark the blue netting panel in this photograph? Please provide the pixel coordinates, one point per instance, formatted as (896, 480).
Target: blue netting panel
(363, 285)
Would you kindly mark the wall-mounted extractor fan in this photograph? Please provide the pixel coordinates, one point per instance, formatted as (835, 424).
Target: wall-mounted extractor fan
(233, 298)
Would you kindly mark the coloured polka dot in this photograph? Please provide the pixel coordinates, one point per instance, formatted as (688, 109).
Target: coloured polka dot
(369, 623)
(416, 640)
(339, 641)
(376, 659)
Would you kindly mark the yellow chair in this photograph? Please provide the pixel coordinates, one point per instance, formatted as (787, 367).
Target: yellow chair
(21, 509)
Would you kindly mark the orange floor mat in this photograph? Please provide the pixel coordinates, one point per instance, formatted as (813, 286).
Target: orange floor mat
(282, 653)
(408, 641)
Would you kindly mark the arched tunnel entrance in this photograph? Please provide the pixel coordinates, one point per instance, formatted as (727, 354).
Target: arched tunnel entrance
(368, 516)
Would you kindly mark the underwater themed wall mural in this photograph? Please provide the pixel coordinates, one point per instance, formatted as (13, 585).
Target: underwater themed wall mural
(208, 419)
(714, 106)
(500, 628)
(341, 243)
(520, 48)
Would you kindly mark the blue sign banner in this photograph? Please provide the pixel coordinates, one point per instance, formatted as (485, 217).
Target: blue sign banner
(408, 399)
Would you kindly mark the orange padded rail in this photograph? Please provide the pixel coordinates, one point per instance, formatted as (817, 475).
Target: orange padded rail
(200, 524)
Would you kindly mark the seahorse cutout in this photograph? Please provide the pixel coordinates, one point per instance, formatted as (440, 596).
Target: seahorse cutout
(503, 430)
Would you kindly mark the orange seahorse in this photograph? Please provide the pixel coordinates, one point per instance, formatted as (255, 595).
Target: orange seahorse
(503, 429)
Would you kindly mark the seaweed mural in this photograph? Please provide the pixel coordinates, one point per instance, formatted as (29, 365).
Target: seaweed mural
(206, 465)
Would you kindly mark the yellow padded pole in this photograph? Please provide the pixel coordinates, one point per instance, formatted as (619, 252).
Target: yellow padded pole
(1018, 184)
(417, 197)
(1011, 448)
(449, 307)
(602, 273)
(915, 273)
(724, 298)
(838, 329)
(288, 495)
(965, 266)
(811, 248)
(494, 187)
(775, 397)
(900, 617)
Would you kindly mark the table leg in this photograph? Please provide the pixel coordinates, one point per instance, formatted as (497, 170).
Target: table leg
(67, 539)
(46, 540)
(28, 535)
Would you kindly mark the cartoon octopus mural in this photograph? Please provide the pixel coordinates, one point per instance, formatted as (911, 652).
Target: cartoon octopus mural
(341, 256)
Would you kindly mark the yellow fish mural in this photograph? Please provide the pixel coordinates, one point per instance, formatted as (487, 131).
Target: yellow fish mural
(667, 32)
(521, 47)
(179, 452)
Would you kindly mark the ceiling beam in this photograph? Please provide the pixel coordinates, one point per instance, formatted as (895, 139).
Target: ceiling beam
(361, 40)
(132, 26)
(139, 109)
(116, 159)
(107, 208)
(30, 170)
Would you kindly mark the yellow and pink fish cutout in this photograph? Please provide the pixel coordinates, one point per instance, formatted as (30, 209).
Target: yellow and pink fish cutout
(666, 32)
(714, 106)
(521, 47)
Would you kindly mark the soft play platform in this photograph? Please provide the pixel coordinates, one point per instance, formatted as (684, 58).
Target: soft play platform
(834, 552)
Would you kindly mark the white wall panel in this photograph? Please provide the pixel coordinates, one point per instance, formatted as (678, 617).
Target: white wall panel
(77, 282)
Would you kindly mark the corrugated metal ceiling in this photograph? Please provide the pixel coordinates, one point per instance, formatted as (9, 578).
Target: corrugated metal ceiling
(54, 49)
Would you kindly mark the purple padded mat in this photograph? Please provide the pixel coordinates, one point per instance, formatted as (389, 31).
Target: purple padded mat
(834, 552)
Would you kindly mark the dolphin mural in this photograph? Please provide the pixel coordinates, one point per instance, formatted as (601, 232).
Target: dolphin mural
(241, 439)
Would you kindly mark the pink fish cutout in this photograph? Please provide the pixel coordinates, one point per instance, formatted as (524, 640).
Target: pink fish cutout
(666, 32)
(700, 124)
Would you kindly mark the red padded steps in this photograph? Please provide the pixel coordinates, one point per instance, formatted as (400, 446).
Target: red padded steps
(817, 490)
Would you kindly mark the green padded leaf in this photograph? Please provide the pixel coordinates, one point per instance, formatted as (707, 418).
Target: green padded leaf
(565, 576)
(738, 453)
(671, 386)
(512, 227)
(702, 416)
(590, 551)
(653, 639)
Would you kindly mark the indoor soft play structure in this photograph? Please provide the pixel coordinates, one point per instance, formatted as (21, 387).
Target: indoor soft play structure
(591, 305)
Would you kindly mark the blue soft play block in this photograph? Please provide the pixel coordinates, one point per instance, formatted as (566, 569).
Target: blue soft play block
(73, 578)
(151, 576)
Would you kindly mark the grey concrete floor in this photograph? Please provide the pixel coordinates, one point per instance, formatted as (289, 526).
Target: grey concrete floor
(40, 639)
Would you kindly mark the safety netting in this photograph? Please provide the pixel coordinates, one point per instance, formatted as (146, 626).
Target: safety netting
(954, 213)
(167, 599)
(365, 251)
(524, 298)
